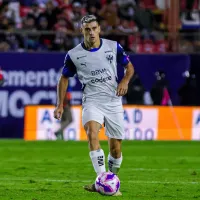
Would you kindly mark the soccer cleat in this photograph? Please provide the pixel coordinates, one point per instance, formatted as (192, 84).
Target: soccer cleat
(118, 193)
(90, 187)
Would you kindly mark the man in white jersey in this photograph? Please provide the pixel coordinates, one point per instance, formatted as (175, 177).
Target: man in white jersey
(95, 62)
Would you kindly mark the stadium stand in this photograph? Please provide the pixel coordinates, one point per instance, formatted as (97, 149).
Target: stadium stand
(141, 26)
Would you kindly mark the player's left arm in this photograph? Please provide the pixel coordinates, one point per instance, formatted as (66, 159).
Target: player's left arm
(123, 60)
(123, 85)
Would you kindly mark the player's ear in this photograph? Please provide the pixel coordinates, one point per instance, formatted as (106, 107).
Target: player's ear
(81, 30)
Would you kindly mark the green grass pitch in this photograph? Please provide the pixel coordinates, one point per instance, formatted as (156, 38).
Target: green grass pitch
(57, 170)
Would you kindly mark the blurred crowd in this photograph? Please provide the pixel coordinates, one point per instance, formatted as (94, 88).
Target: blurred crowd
(159, 94)
(53, 25)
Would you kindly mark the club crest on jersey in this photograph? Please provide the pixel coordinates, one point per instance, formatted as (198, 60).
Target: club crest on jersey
(109, 58)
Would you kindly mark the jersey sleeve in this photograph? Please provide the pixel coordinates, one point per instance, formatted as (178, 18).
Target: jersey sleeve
(122, 57)
(69, 69)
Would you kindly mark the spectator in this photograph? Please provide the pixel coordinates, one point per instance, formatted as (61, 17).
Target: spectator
(126, 28)
(3, 10)
(51, 14)
(63, 38)
(34, 11)
(29, 27)
(105, 28)
(45, 39)
(135, 94)
(189, 7)
(145, 22)
(189, 91)
(42, 24)
(157, 90)
(93, 10)
(93, 3)
(110, 12)
(9, 39)
(126, 9)
(78, 13)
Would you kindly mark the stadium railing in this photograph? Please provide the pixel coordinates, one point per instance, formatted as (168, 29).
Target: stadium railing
(45, 41)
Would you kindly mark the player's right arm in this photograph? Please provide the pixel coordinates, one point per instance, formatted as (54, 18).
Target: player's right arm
(69, 70)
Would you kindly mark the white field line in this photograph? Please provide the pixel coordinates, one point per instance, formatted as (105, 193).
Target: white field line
(162, 169)
(146, 169)
(89, 181)
(127, 158)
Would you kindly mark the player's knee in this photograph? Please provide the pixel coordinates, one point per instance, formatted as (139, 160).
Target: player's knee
(92, 135)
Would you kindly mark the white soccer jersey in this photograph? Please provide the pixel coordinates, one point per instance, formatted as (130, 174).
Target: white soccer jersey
(96, 69)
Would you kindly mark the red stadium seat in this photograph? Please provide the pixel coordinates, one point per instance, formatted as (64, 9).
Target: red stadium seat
(24, 11)
(149, 3)
(149, 46)
(139, 48)
(183, 5)
(161, 46)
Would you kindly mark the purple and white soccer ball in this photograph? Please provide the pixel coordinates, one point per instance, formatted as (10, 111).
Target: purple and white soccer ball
(107, 183)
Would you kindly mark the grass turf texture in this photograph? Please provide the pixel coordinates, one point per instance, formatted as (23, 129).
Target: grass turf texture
(58, 170)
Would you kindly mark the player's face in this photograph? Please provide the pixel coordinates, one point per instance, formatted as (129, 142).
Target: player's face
(91, 31)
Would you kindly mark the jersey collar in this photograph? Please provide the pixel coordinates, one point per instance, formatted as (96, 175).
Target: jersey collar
(94, 49)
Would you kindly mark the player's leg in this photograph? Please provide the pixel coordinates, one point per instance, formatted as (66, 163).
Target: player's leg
(92, 120)
(114, 125)
(115, 155)
(115, 132)
(96, 153)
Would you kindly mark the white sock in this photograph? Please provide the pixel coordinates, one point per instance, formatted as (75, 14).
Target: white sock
(98, 161)
(114, 163)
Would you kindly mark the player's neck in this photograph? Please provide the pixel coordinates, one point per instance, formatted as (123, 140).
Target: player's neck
(92, 45)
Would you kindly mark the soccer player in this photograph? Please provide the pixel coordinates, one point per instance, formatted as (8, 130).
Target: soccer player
(66, 118)
(95, 62)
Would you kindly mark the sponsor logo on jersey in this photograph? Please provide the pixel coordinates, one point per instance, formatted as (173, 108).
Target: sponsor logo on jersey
(101, 80)
(98, 71)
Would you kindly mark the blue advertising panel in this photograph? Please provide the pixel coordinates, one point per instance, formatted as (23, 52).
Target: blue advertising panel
(31, 78)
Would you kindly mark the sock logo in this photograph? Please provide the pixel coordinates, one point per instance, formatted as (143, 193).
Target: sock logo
(110, 165)
(100, 160)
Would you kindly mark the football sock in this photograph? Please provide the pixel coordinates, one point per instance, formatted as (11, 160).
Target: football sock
(98, 161)
(114, 163)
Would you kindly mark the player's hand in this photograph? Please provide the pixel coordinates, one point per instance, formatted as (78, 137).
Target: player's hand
(122, 88)
(58, 112)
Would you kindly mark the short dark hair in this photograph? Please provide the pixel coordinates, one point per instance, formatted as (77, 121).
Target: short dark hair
(88, 19)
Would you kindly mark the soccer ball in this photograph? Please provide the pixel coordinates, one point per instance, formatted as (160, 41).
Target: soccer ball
(107, 183)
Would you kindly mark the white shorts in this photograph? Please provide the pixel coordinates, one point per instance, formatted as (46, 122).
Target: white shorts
(111, 114)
